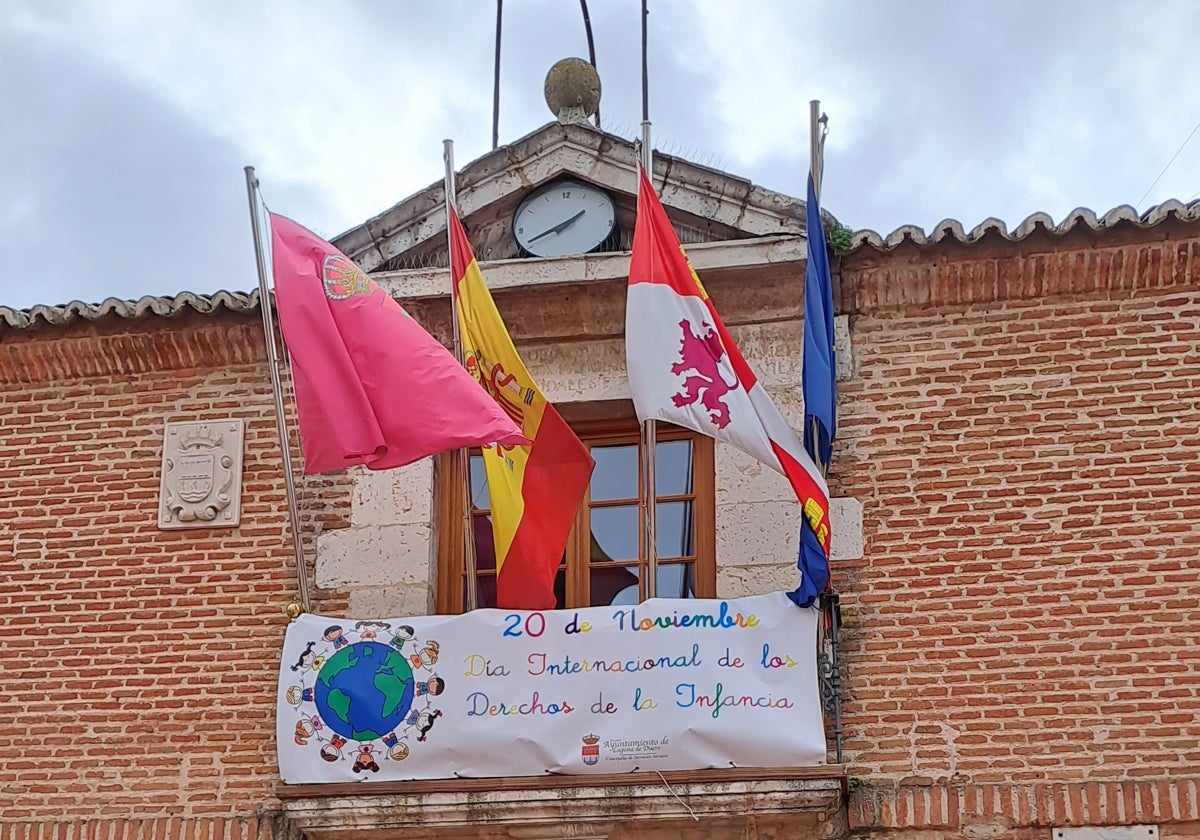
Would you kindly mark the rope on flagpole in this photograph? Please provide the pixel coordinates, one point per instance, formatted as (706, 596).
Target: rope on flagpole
(463, 455)
(264, 304)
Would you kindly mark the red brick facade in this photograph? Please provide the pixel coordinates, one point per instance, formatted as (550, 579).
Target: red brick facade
(1022, 427)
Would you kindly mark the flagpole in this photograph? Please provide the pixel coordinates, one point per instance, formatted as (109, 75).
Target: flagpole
(289, 479)
(462, 456)
(816, 163)
(648, 449)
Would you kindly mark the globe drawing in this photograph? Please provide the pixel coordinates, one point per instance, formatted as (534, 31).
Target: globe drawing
(364, 691)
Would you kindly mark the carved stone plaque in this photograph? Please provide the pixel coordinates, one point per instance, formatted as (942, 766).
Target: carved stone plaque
(201, 475)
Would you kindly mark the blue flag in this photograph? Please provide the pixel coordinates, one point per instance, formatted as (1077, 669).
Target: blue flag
(819, 389)
(818, 375)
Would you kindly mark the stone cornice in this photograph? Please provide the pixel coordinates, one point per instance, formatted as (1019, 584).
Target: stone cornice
(801, 799)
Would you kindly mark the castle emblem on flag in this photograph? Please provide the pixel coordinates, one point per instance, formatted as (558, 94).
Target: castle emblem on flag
(590, 750)
(343, 279)
(700, 363)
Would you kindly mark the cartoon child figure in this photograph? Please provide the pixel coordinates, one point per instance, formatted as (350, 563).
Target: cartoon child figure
(304, 731)
(435, 686)
(368, 630)
(423, 721)
(332, 751)
(333, 633)
(404, 633)
(364, 760)
(397, 749)
(294, 695)
(309, 659)
(427, 657)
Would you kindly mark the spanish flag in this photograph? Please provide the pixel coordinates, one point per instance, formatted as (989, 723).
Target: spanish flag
(536, 489)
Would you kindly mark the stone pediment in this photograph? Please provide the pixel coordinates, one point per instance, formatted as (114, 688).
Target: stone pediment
(705, 205)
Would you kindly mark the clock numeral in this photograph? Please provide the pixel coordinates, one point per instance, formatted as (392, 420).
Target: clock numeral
(520, 230)
(610, 222)
(566, 193)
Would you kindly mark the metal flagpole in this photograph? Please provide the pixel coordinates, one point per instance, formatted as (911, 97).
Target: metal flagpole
(264, 305)
(496, 78)
(649, 445)
(828, 653)
(461, 456)
(649, 436)
(815, 144)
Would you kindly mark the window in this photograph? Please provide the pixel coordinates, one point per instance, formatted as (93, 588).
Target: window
(600, 565)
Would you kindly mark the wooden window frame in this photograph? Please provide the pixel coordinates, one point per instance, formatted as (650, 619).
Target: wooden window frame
(449, 526)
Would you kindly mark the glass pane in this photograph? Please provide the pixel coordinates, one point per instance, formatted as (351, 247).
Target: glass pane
(614, 533)
(619, 584)
(674, 530)
(677, 580)
(616, 475)
(673, 467)
(479, 487)
(614, 585)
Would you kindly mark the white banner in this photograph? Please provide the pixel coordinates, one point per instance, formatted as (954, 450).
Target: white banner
(668, 684)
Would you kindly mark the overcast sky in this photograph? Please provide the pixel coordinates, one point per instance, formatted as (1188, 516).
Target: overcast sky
(126, 123)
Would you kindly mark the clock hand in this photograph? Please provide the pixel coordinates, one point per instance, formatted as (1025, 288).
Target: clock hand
(560, 227)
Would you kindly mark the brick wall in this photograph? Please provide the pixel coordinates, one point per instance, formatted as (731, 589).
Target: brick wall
(1023, 430)
(139, 665)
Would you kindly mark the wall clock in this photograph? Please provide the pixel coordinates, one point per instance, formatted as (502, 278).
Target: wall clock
(564, 217)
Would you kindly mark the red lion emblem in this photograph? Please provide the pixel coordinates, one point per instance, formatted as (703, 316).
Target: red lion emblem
(699, 359)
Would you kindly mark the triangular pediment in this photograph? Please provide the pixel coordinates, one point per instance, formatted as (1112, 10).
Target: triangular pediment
(704, 204)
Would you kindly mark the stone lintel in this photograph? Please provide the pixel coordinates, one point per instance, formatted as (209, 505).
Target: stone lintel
(425, 283)
(807, 805)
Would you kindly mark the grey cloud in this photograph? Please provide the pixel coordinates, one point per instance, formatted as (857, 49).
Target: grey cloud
(109, 192)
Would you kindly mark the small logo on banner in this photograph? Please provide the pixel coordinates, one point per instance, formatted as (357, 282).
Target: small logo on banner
(591, 750)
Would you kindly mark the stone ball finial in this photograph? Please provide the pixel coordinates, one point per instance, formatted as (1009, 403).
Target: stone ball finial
(573, 90)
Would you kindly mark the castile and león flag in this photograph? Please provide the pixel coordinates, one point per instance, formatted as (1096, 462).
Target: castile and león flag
(685, 368)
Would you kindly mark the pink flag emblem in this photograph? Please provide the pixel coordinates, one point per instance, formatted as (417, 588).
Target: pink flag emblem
(372, 387)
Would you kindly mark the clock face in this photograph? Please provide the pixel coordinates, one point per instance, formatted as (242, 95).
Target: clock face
(565, 217)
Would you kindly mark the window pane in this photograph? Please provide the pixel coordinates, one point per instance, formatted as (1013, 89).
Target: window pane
(673, 467)
(616, 475)
(480, 497)
(614, 585)
(614, 533)
(619, 584)
(676, 580)
(674, 529)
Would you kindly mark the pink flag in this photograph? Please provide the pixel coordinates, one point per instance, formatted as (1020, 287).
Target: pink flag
(684, 367)
(372, 387)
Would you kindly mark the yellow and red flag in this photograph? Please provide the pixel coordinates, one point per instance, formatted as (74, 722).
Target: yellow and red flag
(535, 489)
